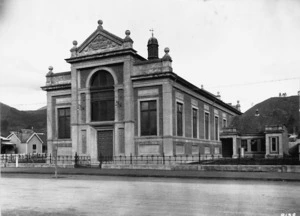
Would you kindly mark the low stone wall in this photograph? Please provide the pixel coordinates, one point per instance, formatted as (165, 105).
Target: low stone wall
(137, 166)
(231, 168)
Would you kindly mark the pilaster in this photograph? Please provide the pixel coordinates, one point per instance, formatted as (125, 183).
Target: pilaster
(128, 108)
(167, 120)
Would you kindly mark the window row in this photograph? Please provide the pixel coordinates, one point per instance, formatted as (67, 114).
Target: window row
(195, 122)
(149, 125)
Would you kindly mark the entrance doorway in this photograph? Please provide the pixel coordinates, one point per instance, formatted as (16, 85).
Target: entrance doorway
(227, 147)
(105, 145)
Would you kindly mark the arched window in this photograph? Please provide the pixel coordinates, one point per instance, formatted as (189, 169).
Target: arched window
(102, 97)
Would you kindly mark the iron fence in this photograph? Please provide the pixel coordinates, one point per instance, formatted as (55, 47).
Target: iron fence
(158, 159)
(77, 160)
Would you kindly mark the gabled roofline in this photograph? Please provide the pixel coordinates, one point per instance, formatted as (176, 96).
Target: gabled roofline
(103, 32)
(34, 134)
(13, 133)
(106, 54)
(184, 82)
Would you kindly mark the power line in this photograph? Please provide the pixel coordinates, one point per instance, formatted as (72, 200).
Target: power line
(254, 83)
(219, 86)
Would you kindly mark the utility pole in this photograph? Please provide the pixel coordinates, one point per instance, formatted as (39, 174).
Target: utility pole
(0, 127)
(299, 115)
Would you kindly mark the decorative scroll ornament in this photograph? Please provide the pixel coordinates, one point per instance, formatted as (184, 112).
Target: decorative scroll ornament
(100, 43)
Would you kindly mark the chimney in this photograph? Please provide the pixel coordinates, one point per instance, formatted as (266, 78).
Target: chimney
(238, 106)
(218, 95)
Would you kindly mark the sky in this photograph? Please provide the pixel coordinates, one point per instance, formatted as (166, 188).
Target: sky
(248, 50)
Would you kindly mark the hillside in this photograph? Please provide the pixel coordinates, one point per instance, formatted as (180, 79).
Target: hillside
(273, 111)
(14, 120)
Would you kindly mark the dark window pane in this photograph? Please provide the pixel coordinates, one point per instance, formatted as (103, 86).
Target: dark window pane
(216, 128)
(206, 125)
(102, 79)
(195, 125)
(144, 105)
(102, 97)
(179, 120)
(152, 121)
(148, 118)
(253, 145)
(64, 123)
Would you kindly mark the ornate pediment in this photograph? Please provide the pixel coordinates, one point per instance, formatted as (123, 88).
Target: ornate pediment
(99, 43)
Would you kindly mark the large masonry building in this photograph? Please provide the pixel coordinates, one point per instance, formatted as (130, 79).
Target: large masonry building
(115, 102)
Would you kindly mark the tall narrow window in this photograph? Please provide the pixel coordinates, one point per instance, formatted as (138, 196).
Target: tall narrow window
(64, 128)
(224, 123)
(206, 125)
(148, 118)
(216, 128)
(195, 121)
(179, 119)
(102, 97)
(274, 144)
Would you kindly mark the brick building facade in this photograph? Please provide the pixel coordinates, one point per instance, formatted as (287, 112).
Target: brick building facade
(115, 102)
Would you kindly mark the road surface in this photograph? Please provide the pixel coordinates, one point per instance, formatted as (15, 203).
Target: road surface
(103, 195)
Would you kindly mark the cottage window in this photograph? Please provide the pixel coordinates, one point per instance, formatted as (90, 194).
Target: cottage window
(148, 118)
(102, 97)
(34, 148)
(64, 129)
(254, 145)
(179, 119)
(195, 122)
(206, 125)
(244, 145)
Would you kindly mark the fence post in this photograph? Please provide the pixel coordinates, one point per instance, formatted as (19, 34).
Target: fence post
(130, 158)
(76, 160)
(163, 154)
(17, 160)
(50, 159)
(199, 157)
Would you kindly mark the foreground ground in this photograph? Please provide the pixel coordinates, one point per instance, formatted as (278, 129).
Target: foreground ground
(35, 194)
(187, 173)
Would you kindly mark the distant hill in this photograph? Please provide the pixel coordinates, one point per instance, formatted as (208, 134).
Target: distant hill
(14, 120)
(273, 111)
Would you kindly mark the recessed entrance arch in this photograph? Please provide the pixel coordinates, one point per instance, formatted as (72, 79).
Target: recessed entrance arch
(102, 96)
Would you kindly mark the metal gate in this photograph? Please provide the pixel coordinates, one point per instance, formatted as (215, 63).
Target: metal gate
(105, 145)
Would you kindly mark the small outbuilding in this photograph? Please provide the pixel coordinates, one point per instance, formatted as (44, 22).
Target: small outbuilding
(27, 141)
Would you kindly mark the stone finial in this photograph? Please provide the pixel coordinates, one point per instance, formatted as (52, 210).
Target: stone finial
(50, 73)
(202, 87)
(218, 95)
(127, 38)
(73, 50)
(167, 57)
(100, 22)
(238, 106)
